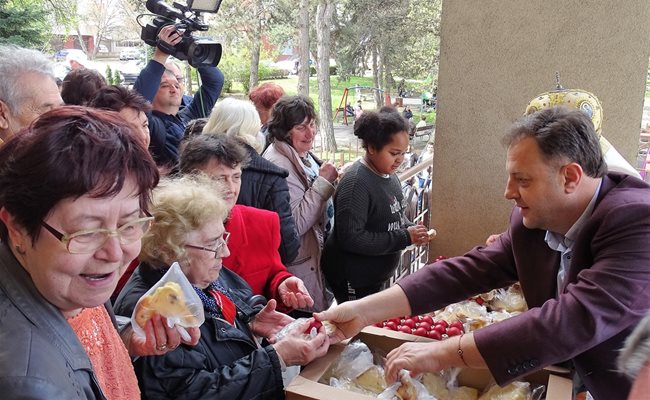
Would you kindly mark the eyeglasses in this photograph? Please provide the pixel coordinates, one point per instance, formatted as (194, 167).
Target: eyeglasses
(88, 241)
(221, 244)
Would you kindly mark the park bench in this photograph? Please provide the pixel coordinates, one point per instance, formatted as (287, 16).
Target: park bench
(424, 131)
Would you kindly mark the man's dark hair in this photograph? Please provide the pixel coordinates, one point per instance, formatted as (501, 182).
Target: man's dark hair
(562, 134)
(200, 149)
(288, 112)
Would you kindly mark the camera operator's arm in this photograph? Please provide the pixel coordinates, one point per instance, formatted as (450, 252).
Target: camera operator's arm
(148, 81)
(212, 80)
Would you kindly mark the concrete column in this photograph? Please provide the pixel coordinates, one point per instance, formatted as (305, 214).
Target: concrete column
(496, 55)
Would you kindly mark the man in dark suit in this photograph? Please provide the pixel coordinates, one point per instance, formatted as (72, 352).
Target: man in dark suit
(579, 244)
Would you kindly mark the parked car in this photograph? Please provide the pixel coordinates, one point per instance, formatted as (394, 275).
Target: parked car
(130, 54)
(65, 54)
(130, 71)
(102, 49)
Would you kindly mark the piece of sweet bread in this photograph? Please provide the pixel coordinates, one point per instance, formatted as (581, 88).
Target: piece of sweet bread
(513, 391)
(463, 393)
(372, 380)
(436, 386)
(168, 301)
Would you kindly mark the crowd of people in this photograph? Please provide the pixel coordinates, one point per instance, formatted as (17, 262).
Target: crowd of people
(104, 188)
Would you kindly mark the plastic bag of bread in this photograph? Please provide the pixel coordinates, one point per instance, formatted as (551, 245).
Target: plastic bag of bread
(443, 385)
(355, 359)
(514, 391)
(462, 311)
(372, 380)
(406, 388)
(463, 393)
(508, 299)
(310, 332)
(173, 298)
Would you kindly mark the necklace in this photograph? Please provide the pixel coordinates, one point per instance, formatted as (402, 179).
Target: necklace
(371, 167)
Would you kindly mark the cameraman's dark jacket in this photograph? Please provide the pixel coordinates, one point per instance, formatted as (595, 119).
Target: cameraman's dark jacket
(264, 185)
(226, 363)
(166, 130)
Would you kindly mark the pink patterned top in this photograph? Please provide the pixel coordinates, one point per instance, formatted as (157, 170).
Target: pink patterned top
(107, 353)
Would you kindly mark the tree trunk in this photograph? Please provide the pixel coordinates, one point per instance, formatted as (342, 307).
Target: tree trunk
(384, 73)
(323, 26)
(376, 78)
(81, 41)
(255, 45)
(189, 84)
(303, 48)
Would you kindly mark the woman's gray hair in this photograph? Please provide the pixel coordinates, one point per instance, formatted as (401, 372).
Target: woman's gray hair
(236, 119)
(636, 352)
(14, 62)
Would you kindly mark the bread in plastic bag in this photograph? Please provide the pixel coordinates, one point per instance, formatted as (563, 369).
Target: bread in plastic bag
(174, 298)
(406, 388)
(355, 359)
(515, 391)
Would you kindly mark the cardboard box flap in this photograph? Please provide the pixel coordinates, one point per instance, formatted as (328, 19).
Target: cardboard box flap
(302, 388)
(558, 387)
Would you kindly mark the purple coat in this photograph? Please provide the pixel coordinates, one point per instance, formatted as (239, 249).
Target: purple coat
(607, 291)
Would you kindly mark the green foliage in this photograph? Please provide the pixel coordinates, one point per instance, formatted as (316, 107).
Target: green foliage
(24, 23)
(109, 75)
(235, 67)
(404, 32)
(267, 72)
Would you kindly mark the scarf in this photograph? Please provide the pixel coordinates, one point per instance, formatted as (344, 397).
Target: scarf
(217, 302)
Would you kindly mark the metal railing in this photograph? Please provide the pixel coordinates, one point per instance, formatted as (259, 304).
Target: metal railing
(417, 193)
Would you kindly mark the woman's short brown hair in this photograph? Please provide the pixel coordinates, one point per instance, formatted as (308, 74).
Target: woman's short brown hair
(80, 86)
(69, 152)
(288, 112)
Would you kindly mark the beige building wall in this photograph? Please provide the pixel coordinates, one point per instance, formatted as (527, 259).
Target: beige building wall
(496, 55)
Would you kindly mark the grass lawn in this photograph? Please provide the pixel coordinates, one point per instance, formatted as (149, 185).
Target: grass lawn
(290, 86)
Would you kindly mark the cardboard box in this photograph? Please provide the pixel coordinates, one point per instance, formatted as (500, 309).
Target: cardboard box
(306, 387)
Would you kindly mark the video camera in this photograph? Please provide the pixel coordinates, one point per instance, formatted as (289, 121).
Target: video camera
(199, 52)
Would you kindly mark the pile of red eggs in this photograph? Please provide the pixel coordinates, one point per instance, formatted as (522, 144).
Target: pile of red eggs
(423, 325)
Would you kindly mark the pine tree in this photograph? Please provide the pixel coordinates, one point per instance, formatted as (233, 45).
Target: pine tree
(24, 23)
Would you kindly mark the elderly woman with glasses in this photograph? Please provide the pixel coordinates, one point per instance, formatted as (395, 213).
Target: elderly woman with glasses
(292, 130)
(228, 362)
(74, 188)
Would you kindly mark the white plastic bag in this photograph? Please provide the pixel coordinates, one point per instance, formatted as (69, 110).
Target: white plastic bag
(174, 298)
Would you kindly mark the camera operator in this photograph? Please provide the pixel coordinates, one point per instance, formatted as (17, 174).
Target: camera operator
(160, 86)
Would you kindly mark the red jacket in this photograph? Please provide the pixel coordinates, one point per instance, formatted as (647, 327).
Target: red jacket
(254, 242)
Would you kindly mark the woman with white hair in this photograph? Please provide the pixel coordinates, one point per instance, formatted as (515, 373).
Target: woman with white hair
(263, 184)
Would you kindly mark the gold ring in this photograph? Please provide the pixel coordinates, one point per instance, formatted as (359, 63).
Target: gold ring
(162, 347)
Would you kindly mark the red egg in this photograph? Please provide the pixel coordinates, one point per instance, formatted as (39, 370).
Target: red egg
(434, 335)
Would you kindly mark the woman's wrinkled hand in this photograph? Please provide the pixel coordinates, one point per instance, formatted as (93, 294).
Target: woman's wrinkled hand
(268, 322)
(294, 294)
(297, 348)
(328, 171)
(159, 338)
(414, 357)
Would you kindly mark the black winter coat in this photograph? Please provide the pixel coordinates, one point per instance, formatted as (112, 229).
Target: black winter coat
(225, 364)
(264, 185)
